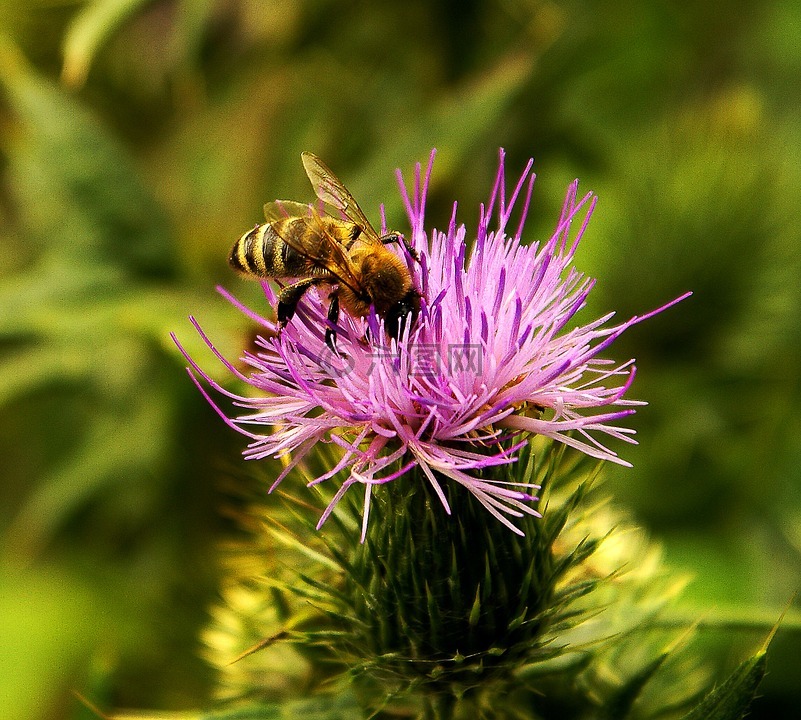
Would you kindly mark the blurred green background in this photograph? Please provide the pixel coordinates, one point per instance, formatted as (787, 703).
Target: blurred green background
(139, 138)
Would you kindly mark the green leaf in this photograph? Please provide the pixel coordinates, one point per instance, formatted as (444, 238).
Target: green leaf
(50, 618)
(79, 309)
(324, 707)
(193, 18)
(740, 619)
(102, 459)
(732, 699)
(79, 200)
(619, 705)
(88, 31)
(459, 122)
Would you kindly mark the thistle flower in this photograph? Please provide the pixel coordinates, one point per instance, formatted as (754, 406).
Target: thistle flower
(462, 615)
(493, 356)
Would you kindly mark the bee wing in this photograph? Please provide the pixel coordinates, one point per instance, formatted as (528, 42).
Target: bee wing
(338, 263)
(283, 209)
(330, 190)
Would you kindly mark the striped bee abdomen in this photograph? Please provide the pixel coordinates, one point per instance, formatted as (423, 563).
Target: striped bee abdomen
(247, 254)
(286, 239)
(281, 249)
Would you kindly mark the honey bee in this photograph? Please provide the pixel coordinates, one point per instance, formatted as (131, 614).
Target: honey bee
(348, 255)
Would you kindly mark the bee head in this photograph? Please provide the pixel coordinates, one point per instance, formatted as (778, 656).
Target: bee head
(402, 313)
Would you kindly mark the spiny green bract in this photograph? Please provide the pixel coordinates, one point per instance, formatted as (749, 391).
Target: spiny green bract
(454, 615)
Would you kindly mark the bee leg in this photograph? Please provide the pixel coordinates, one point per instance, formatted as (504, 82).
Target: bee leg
(333, 318)
(290, 296)
(397, 237)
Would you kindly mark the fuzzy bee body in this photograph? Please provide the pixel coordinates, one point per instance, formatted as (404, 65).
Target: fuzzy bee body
(269, 250)
(319, 249)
